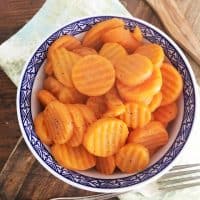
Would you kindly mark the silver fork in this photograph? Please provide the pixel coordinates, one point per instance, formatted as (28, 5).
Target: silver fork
(179, 177)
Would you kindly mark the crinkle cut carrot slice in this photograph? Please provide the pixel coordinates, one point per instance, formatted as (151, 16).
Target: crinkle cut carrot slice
(136, 115)
(123, 37)
(137, 34)
(133, 70)
(112, 51)
(153, 51)
(105, 165)
(73, 158)
(143, 92)
(172, 84)
(85, 51)
(93, 37)
(167, 113)
(132, 158)
(97, 105)
(67, 41)
(58, 122)
(79, 125)
(152, 136)
(41, 130)
(62, 63)
(88, 114)
(105, 137)
(93, 75)
(156, 101)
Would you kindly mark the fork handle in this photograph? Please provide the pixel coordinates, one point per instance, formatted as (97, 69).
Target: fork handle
(176, 24)
(102, 196)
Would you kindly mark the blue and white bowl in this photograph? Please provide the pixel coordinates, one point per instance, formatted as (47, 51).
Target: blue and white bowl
(28, 106)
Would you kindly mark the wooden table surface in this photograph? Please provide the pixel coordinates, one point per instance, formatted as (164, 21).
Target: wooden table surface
(18, 181)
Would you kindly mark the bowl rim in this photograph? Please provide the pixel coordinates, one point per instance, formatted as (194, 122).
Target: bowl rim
(105, 190)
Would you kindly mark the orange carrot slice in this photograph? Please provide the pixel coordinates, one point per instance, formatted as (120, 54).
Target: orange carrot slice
(45, 97)
(143, 92)
(112, 98)
(79, 125)
(58, 122)
(93, 37)
(106, 165)
(105, 137)
(67, 41)
(52, 85)
(85, 51)
(112, 51)
(48, 69)
(62, 63)
(93, 75)
(166, 114)
(123, 37)
(136, 115)
(73, 158)
(87, 112)
(41, 130)
(62, 93)
(152, 136)
(97, 105)
(132, 158)
(153, 51)
(156, 101)
(137, 34)
(172, 84)
(133, 70)
(115, 112)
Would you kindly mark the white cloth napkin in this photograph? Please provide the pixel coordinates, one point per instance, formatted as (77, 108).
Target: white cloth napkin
(15, 51)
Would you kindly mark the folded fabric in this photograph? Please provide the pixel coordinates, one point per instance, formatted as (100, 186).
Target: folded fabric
(15, 52)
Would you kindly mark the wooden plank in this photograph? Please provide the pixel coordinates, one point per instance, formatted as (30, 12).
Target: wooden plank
(191, 10)
(9, 129)
(177, 26)
(36, 186)
(21, 178)
(14, 14)
(24, 178)
(14, 172)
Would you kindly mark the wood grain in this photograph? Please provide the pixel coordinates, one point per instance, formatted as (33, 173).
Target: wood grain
(19, 180)
(22, 177)
(14, 172)
(13, 15)
(9, 131)
(16, 13)
(177, 25)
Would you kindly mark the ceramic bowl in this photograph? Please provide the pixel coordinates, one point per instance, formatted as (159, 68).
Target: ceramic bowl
(28, 106)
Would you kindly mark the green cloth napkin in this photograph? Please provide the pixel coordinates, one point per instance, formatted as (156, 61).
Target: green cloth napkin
(55, 13)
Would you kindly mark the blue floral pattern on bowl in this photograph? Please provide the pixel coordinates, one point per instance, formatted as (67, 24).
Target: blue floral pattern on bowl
(25, 106)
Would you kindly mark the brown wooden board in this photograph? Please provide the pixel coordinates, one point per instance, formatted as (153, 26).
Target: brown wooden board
(13, 15)
(22, 177)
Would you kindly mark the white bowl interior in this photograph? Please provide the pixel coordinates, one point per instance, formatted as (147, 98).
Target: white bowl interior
(173, 129)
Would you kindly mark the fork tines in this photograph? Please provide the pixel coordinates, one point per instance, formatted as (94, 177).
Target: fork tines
(179, 177)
